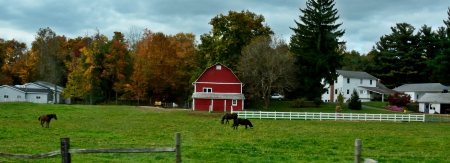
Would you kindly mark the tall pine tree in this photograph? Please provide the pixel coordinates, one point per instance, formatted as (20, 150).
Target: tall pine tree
(441, 62)
(315, 43)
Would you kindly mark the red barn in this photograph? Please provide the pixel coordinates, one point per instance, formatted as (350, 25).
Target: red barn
(218, 89)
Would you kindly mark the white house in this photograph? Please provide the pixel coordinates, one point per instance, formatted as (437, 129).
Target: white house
(416, 91)
(37, 92)
(435, 103)
(367, 86)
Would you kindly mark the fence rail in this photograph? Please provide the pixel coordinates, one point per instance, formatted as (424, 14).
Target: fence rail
(66, 151)
(330, 116)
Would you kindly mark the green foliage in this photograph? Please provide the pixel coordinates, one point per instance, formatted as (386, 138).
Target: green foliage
(399, 99)
(340, 99)
(93, 127)
(355, 102)
(398, 58)
(314, 44)
(231, 33)
(298, 103)
(318, 101)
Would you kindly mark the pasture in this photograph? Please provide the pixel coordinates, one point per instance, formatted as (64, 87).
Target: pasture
(204, 139)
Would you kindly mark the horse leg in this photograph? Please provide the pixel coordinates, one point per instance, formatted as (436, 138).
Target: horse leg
(42, 123)
(227, 122)
(48, 122)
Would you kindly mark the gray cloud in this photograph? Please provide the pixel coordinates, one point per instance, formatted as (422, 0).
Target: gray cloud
(364, 21)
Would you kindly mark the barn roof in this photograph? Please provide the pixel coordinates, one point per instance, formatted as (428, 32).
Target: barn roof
(355, 74)
(234, 96)
(435, 98)
(218, 63)
(27, 90)
(436, 87)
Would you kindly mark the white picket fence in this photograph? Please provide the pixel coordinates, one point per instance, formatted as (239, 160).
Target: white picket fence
(330, 116)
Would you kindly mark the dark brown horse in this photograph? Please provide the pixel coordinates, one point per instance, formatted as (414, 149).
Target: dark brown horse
(240, 121)
(47, 118)
(228, 116)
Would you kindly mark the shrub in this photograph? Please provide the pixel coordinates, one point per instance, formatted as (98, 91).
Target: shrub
(318, 101)
(399, 99)
(413, 106)
(298, 103)
(355, 103)
(340, 99)
(394, 108)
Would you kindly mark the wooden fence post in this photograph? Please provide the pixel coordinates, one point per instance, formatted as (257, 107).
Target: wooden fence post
(177, 147)
(358, 151)
(65, 146)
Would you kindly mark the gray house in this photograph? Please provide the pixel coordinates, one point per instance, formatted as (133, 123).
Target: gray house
(37, 92)
(435, 103)
(416, 91)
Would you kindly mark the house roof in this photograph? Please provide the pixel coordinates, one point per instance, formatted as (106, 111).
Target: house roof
(49, 85)
(435, 87)
(435, 98)
(234, 96)
(379, 88)
(27, 90)
(355, 74)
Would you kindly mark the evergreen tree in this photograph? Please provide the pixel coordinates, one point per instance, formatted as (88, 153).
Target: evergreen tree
(355, 103)
(398, 59)
(440, 64)
(315, 44)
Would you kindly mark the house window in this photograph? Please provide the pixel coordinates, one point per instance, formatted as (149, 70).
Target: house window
(348, 80)
(5, 96)
(335, 81)
(360, 81)
(207, 90)
(361, 91)
(335, 91)
(19, 96)
(370, 82)
(417, 97)
(348, 91)
(234, 102)
(218, 67)
(327, 91)
(38, 97)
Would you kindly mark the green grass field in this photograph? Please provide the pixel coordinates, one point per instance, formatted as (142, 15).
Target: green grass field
(204, 139)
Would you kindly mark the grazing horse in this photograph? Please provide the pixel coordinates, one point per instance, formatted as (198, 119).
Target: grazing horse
(228, 116)
(47, 118)
(240, 121)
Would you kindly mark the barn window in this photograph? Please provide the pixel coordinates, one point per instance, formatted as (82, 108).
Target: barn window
(360, 82)
(19, 96)
(361, 91)
(348, 91)
(207, 90)
(327, 91)
(335, 91)
(38, 97)
(234, 102)
(5, 96)
(335, 81)
(218, 67)
(348, 80)
(370, 82)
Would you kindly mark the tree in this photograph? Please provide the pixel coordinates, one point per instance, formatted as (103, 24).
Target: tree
(398, 59)
(13, 57)
(230, 33)
(355, 102)
(354, 61)
(440, 64)
(266, 66)
(315, 44)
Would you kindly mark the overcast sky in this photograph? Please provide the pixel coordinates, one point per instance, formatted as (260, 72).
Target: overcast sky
(364, 21)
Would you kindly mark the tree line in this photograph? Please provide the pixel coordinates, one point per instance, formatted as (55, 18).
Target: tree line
(141, 65)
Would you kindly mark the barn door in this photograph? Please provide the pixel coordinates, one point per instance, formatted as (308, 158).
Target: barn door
(427, 107)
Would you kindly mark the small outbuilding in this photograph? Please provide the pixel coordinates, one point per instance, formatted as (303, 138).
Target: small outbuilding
(218, 89)
(435, 103)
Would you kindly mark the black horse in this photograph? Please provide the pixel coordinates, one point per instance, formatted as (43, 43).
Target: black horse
(46, 118)
(228, 116)
(240, 121)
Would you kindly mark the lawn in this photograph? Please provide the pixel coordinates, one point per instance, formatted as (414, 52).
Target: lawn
(204, 139)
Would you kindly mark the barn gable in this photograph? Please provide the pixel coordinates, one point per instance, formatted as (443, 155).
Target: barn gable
(218, 89)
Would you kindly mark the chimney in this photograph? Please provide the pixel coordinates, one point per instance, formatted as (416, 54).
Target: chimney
(379, 80)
